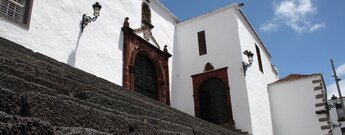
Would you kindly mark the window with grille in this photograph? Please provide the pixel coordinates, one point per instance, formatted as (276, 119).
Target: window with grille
(16, 10)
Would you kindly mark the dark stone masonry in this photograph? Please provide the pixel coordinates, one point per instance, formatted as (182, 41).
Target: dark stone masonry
(39, 95)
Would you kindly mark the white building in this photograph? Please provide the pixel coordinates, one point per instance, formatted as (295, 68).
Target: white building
(219, 38)
(202, 68)
(337, 116)
(294, 101)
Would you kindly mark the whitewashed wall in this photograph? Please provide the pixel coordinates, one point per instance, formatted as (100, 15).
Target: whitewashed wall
(223, 50)
(54, 31)
(256, 81)
(293, 108)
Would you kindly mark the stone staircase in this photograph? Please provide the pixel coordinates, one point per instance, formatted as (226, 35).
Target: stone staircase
(39, 95)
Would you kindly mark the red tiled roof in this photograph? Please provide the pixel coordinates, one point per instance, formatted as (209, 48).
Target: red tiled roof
(292, 77)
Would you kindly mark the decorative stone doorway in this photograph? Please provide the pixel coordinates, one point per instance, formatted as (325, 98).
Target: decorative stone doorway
(211, 94)
(138, 51)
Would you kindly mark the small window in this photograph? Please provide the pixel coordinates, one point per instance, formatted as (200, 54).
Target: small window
(145, 13)
(202, 43)
(343, 131)
(258, 54)
(16, 10)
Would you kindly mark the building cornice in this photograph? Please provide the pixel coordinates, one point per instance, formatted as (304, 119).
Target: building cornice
(210, 13)
(165, 10)
(294, 77)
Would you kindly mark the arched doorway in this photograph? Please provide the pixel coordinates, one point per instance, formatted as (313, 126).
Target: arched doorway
(213, 102)
(137, 50)
(145, 77)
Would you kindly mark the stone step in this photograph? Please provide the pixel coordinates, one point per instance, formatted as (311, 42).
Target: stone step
(77, 131)
(239, 131)
(82, 93)
(15, 125)
(65, 111)
(13, 83)
(50, 71)
(62, 89)
(58, 82)
(49, 88)
(50, 68)
(62, 112)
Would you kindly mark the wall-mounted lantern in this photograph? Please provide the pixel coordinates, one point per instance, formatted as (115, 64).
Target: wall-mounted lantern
(245, 65)
(87, 19)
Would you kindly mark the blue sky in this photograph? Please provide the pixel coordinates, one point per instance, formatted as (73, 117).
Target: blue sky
(301, 35)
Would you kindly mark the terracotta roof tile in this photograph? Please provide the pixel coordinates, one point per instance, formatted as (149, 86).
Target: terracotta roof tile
(292, 77)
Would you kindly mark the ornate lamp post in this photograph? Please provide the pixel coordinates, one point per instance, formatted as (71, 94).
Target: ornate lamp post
(87, 19)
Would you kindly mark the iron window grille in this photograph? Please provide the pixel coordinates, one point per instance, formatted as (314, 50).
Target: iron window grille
(16, 10)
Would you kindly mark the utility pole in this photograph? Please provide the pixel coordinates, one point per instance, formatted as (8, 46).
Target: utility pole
(337, 83)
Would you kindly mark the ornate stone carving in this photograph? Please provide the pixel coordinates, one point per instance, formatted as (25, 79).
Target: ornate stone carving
(147, 33)
(135, 45)
(125, 22)
(208, 67)
(165, 49)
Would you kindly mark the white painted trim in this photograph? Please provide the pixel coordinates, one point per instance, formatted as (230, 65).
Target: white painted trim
(196, 18)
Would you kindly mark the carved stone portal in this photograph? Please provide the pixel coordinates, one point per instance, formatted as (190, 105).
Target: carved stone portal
(134, 46)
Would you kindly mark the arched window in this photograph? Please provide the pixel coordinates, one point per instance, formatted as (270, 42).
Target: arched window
(145, 13)
(213, 102)
(145, 77)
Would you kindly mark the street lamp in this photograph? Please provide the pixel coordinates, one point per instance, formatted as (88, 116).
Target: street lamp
(245, 65)
(87, 19)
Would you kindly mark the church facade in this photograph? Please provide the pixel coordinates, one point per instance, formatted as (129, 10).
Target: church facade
(226, 34)
(213, 66)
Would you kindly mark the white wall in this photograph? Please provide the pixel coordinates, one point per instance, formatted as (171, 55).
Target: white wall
(256, 80)
(293, 108)
(54, 31)
(223, 50)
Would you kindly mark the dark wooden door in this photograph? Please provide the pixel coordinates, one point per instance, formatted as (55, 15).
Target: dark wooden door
(145, 77)
(213, 102)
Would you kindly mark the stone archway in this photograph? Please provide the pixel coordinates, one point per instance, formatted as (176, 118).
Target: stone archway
(135, 46)
(210, 85)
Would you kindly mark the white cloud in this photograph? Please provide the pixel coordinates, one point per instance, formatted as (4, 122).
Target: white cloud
(341, 70)
(268, 26)
(332, 88)
(296, 14)
(316, 27)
